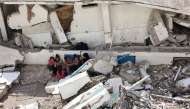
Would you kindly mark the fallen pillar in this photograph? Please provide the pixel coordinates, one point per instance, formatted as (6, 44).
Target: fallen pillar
(39, 28)
(58, 28)
(93, 98)
(41, 39)
(71, 86)
(9, 56)
(156, 28)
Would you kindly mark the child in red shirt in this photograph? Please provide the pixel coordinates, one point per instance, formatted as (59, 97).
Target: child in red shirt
(60, 73)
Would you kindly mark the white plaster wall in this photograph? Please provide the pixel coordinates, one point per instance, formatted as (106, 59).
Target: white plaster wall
(130, 23)
(154, 58)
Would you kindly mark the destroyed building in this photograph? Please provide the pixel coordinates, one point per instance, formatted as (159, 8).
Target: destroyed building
(138, 49)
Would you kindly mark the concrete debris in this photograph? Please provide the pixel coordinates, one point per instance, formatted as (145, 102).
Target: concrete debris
(143, 73)
(144, 64)
(41, 12)
(15, 18)
(58, 28)
(181, 38)
(8, 69)
(31, 106)
(103, 67)
(9, 56)
(41, 39)
(93, 98)
(3, 90)
(182, 22)
(23, 41)
(177, 73)
(169, 20)
(114, 83)
(9, 77)
(184, 82)
(157, 29)
(39, 28)
(129, 72)
(50, 87)
(75, 83)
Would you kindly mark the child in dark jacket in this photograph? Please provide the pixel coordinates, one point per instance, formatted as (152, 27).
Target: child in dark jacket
(50, 64)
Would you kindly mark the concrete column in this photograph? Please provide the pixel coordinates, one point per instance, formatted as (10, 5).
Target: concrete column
(107, 24)
(2, 26)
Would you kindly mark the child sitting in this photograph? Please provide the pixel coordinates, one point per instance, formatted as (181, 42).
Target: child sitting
(60, 73)
(76, 61)
(69, 65)
(50, 64)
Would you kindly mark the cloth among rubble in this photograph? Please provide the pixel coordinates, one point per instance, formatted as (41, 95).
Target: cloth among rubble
(81, 46)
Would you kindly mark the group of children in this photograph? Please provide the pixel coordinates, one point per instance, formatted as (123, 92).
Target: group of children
(62, 69)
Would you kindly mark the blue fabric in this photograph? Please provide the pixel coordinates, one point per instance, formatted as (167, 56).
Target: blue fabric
(123, 59)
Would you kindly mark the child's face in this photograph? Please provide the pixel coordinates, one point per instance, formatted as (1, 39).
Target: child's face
(52, 60)
(57, 59)
(76, 58)
(68, 59)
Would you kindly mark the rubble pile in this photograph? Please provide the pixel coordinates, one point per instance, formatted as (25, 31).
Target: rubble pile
(128, 85)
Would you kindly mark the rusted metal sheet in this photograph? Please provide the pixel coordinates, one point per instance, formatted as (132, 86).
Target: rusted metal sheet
(65, 15)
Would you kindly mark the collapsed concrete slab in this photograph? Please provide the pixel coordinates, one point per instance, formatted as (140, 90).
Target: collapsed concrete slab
(58, 28)
(39, 28)
(156, 28)
(182, 22)
(8, 77)
(41, 39)
(71, 86)
(9, 56)
(14, 20)
(41, 12)
(93, 98)
(103, 67)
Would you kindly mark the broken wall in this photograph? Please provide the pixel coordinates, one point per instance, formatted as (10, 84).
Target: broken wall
(154, 58)
(130, 23)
